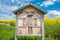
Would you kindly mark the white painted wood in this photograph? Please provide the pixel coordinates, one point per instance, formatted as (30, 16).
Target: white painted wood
(32, 30)
(38, 22)
(20, 22)
(43, 27)
(16, 28)
(35, 16)
(31, 35)
(38, 15)
(23, 15)
(27, 30)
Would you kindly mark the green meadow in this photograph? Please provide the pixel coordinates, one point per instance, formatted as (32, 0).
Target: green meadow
(52, 30)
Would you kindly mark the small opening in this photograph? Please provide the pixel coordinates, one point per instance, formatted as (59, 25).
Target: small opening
(32, 12)
(30, 15)
(27, 12)
(21, 12)
(30, 30)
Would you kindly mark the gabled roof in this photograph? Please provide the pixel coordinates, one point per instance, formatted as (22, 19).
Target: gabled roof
(27, 6)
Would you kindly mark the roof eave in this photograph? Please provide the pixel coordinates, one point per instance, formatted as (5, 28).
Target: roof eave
(26, 6)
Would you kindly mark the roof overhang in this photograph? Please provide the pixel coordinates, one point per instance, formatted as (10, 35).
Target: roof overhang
(19, 9)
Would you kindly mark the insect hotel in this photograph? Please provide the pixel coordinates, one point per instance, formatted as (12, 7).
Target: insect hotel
(29, 21)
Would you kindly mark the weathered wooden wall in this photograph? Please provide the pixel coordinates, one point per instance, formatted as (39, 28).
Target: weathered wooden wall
(22, 14)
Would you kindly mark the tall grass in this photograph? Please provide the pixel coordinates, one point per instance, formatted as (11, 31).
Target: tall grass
(52, 29)
(6, 32)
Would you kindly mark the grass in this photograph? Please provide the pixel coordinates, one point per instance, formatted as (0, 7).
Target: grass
(29, 38)
(6, 32)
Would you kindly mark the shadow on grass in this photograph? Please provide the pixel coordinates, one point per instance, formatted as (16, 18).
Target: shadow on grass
(12, 38)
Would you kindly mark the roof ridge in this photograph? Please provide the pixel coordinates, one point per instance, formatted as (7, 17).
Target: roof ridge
(27, 6)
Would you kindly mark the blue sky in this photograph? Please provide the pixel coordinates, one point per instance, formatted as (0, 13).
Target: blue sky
(52, 7)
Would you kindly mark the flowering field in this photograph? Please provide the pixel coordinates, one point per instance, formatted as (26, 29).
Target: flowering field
(52, 30)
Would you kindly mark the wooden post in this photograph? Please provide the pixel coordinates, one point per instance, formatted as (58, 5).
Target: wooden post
(42, 27)
(16, 28)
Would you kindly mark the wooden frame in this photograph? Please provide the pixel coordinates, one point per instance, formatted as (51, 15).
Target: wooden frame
(16, 28)
(42, 27)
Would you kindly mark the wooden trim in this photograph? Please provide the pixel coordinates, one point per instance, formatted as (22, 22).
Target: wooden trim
(38, 14)
(35, 21)
(21, 26)
(16, 28)
(26, 26)
(27, 29)
(43, 27)
(23, 21)
(31, 35)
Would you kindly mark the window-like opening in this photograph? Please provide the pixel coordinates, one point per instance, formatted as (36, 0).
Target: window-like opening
(30, 30)
(30, 15)
(20, 22)
(38, 22)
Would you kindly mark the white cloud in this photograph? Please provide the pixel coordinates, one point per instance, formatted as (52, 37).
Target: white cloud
(48, 2)
(6, 11)
(5, 16)
(13, 1)
(14, 7)
(21, 1)
(54, 12)
(6, 8)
